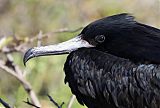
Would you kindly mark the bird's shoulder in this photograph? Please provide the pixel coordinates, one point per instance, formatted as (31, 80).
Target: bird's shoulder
(94, 73)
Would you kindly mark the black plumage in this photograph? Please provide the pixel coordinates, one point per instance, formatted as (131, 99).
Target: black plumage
(126, 38)
(115, 65)
(101, 80)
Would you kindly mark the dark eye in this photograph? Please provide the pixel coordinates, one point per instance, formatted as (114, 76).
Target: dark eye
(100, 38)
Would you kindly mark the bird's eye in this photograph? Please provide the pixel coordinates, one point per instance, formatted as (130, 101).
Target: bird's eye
(100, 38)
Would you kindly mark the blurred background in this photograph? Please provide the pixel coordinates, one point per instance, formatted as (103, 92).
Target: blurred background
(24, 19)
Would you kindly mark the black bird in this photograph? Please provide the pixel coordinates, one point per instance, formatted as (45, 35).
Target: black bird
(112, 63)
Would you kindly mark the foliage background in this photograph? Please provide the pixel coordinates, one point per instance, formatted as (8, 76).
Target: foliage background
(25, 18)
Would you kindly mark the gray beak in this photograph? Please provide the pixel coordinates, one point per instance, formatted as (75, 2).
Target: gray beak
(61, 48)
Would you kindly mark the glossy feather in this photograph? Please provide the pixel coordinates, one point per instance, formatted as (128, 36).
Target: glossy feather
(126, 38)
(101, 80)
(121, 70)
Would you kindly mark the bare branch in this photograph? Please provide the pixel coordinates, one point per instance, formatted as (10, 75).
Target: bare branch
(70, 103)
(23, 81)
(39, 37)
(55, 103)
(46, 35)
(5, 104)
(21, 46)
(67, 30)
(31, 104)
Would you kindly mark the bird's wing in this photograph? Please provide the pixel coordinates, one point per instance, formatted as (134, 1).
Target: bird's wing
(99, 80)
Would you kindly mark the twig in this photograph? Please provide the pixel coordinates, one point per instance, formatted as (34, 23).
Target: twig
(71, 101)
(31, 104)
(5, 104)
(55, 103)
(22, 47)
(23, 81)
(67, 30)
(15, 71)
(39, 37)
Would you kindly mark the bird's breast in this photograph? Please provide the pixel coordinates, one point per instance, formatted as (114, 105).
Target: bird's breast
(107, 80)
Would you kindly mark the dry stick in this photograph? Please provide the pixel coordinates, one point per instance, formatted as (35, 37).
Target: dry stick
(21, 48)
(27, 88)
(70, 103)
(16, 72)
(5, 104)
(31, 104)
(22, 80)
(67, 30)
(39, 37)
(54, 102)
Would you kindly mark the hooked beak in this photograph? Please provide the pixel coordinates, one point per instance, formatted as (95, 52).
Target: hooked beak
(61, 48)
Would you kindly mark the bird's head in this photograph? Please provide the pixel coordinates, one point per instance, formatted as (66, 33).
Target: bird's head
(119, 35)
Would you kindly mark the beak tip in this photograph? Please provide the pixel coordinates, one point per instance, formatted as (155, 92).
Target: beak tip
(24, 62)
(28, 55)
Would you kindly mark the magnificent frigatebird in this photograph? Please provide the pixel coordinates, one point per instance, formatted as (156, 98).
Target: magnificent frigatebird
(112, 63)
